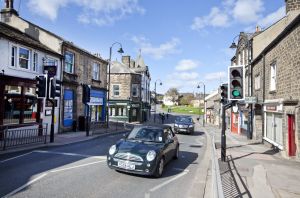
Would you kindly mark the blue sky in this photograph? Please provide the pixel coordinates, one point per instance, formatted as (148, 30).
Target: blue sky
(182, 42)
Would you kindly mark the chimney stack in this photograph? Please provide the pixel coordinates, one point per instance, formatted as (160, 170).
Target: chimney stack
(292, 5)
(9, 8)
(126, 60)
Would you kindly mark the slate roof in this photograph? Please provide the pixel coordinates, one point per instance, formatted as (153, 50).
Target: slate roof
(120, 68)
(16, 35)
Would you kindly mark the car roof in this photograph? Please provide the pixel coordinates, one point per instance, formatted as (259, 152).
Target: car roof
(154, 126)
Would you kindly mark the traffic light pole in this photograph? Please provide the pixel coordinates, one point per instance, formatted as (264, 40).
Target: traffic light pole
(223, 134)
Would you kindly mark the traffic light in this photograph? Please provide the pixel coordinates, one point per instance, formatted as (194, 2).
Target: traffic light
(54, 88)
(224, 93)
(41, 86)
(86, 91)
(236, 82)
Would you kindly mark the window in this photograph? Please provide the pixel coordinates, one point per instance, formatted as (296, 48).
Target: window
(273, 77)
(116, 90)
(24, 55)
(13, 56)
(35, 61)
(69, 62)
(257, 82)
(96, 71)
(135, 90)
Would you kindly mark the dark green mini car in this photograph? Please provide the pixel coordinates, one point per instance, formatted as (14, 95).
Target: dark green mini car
(145, 151)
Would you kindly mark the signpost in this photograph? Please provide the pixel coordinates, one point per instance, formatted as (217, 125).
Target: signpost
(250, 100)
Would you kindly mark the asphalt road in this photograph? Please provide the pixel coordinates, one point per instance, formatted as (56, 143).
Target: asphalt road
(80, 170)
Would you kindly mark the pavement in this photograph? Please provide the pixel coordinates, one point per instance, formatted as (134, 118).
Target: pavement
(253, 169)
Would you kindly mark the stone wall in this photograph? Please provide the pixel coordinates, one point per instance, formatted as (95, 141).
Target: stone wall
(124, 80)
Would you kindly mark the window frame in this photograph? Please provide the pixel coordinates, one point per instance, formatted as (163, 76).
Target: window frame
(137, 90)
(114, 91)
(71, 63)
(28, 60)
(96, 71)
(35, 60)
(273, 76)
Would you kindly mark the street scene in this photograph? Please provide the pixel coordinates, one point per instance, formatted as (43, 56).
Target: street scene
(109, 98)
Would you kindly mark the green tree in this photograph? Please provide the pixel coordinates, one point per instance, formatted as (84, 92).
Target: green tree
(173, 94)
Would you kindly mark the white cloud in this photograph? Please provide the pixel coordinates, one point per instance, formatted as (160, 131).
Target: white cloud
(216, 18)
(233, 11)
(272, 18)
(100, 12)
(216, 76)
(160, 51)
(186, 64)
(248, 11)
(182, 80)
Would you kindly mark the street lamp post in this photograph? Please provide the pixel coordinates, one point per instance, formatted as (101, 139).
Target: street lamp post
(233, 46)
(204, 116)
(160, 83)
(108, 83)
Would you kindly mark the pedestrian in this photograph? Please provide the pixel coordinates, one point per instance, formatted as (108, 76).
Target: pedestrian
(162, 118)
(167, 116)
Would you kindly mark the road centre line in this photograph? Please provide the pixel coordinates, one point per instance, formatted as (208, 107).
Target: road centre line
(169, 181)
(15, 157)
(25, 185)
(71, 154)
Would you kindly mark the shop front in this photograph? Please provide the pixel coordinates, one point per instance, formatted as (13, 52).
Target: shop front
(119, 110)
(97, 105)
(273, 124)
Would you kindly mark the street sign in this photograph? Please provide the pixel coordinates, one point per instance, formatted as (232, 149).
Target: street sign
(250, 100)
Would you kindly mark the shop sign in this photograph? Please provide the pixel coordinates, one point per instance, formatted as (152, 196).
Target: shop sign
(121, 104)
(271, 108)
(135, 105)
(97, 101)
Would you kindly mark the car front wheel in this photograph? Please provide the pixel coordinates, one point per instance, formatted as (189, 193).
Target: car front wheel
(160, 168)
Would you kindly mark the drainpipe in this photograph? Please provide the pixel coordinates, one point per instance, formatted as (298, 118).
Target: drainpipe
(264, 96)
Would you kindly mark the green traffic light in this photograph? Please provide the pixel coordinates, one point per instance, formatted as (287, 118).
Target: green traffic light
(236, 93)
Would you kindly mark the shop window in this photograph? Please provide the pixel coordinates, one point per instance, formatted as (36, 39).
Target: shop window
(113, 112)
(124, 112)
(19, 108)
(120, 111)
(24, 55)
(69, 62)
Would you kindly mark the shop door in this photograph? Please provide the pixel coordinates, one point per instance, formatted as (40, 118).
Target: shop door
(274, 128)
(291, 135)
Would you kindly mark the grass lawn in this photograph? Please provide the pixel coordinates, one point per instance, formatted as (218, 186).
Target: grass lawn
(184, 110)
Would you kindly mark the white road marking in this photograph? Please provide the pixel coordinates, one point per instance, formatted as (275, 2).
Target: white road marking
(169, 181)
(82, 165)
(25, 185)
(15, 157)
(71, 154)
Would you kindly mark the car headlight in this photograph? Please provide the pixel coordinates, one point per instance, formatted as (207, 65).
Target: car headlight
(151, 155)
(176, 125)
(191, 126)
(112, 149)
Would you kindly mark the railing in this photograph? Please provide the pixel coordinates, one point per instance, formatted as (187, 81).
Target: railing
(22, 136)
(101, 127)
(216, 177)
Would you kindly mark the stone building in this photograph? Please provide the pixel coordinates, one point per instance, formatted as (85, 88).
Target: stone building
(138, 65)
(82, 68)
(125, 102)
(275, 76)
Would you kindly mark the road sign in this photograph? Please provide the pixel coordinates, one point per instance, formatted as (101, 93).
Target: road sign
(250, 100)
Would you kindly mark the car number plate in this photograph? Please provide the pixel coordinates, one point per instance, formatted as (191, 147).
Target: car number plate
(126, 165)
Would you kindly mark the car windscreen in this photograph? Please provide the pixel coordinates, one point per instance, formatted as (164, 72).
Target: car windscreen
(146, 134)
(184, 119)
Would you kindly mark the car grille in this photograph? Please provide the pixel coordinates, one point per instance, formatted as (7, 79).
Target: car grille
(129, 156)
